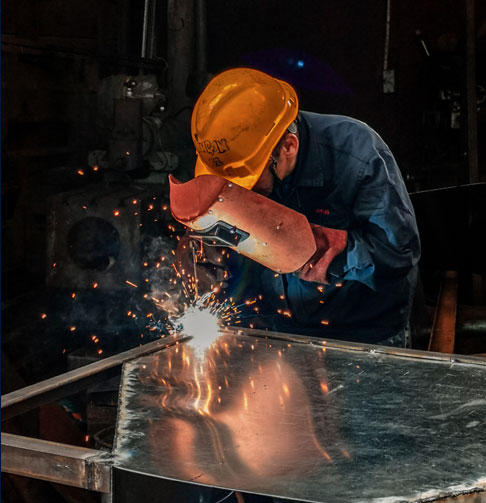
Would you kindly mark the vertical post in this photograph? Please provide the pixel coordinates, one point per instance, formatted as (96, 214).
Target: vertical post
(143, 52)
(443, 335)
(152, 39)
(148, 49)
(180, 50)
(471, 99)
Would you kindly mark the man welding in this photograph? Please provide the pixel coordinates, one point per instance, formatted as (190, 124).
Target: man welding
(314, 204)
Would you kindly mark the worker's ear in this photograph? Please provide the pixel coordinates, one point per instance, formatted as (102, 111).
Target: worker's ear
(290, 145)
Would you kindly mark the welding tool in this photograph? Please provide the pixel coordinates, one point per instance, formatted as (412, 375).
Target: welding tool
(204, 264)
(222, 213)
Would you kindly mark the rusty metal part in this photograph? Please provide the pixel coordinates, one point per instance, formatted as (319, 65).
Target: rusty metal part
(54, 462)
(35, 395)
(443, 335)
(269, 233)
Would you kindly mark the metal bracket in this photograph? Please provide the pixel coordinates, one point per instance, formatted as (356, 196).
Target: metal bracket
(221, 234)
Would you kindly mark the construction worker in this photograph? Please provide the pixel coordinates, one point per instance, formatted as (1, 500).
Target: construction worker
(359, 282)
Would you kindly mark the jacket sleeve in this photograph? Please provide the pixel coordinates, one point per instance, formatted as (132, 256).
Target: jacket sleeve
(383, 240)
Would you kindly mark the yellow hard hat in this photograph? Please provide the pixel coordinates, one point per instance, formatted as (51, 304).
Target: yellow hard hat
(237, 122)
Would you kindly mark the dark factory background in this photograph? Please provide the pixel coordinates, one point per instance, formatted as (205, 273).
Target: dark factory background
(96, 104)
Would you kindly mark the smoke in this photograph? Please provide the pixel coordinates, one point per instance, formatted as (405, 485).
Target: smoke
(163, 287)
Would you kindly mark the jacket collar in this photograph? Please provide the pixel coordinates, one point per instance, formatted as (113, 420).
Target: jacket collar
(309, 170)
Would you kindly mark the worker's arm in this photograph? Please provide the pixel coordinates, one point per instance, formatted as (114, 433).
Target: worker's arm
(383, 241)
(329, 244)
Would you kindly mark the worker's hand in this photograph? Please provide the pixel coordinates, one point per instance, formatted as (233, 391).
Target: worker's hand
(201, 263)
(329, 243)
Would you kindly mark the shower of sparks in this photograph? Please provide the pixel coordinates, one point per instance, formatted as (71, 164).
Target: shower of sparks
(180, 306)
(202, 316)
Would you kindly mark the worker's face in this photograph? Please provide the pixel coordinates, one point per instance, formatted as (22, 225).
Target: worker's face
(285, 164)
(264, 185)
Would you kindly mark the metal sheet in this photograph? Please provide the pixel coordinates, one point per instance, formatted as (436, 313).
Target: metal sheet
(306, 420)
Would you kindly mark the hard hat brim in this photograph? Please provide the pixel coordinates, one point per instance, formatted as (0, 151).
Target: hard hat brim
(248, 182)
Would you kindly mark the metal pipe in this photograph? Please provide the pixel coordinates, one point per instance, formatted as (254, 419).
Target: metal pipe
(152, 48)
(360, 347)
(144, 30)
(35, 395)
(387, 36)
(471, 99)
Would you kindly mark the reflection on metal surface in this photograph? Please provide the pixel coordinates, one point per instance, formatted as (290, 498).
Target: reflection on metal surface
(305, 421)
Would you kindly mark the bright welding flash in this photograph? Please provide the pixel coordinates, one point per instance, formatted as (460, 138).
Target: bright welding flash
(202, 325)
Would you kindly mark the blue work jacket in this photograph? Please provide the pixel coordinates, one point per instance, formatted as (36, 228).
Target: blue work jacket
(346, 178)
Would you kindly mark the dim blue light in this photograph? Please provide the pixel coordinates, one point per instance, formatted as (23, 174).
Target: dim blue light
(300, 63)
